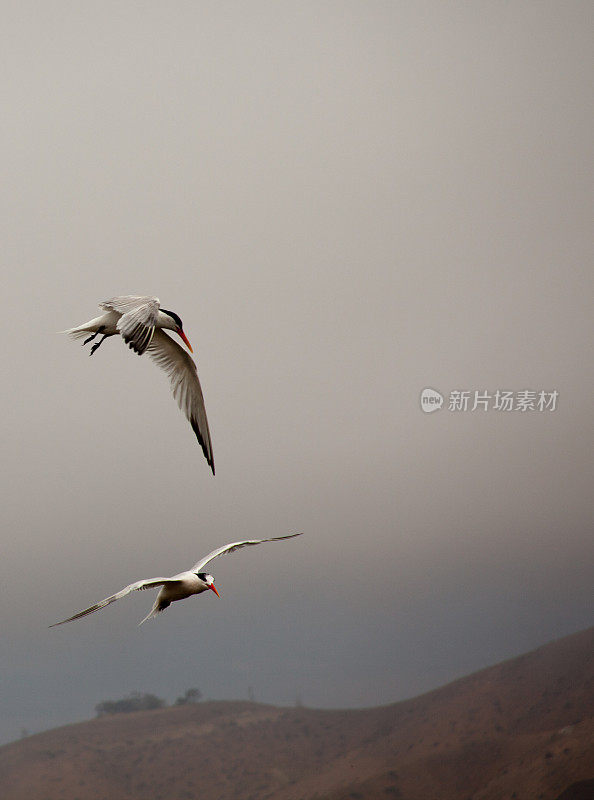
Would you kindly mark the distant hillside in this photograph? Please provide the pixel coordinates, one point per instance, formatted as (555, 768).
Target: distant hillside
(523, 729)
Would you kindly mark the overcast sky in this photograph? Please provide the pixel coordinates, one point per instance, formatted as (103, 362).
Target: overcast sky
(345, 202)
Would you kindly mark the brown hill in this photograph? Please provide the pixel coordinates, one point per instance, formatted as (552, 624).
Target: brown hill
(522, 729)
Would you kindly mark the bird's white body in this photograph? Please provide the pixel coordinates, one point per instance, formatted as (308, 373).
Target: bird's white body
(141, 323)
(108, 324)
(181, 586)
(178, 587)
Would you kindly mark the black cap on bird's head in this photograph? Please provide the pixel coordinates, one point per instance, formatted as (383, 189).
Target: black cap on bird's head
(179, 329)
(208, 580)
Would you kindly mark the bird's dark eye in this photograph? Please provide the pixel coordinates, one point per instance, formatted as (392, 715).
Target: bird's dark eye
(174, 317)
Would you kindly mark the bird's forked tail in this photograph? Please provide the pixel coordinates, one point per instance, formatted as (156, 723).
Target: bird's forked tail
(156, 609)
(76, 333)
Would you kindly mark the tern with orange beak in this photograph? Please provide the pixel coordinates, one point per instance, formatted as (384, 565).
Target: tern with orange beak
(195, 581)
(141, 321)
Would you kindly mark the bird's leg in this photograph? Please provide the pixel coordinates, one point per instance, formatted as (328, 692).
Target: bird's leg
(99, 343)
(97, 332)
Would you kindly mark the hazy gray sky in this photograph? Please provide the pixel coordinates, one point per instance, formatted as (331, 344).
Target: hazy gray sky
(345, 202)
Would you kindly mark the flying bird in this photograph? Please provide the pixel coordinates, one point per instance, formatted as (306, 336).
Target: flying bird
(141, 321)
(195, 581)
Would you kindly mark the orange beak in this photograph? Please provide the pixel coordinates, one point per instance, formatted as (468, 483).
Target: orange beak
(214, 589)
(183, 336)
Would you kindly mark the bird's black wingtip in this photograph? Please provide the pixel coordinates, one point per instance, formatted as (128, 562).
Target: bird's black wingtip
(207, 453)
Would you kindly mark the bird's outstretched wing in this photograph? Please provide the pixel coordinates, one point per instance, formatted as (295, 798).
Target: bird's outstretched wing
(233, 546)
(146, 584)
(138, 319)
(181, 369)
